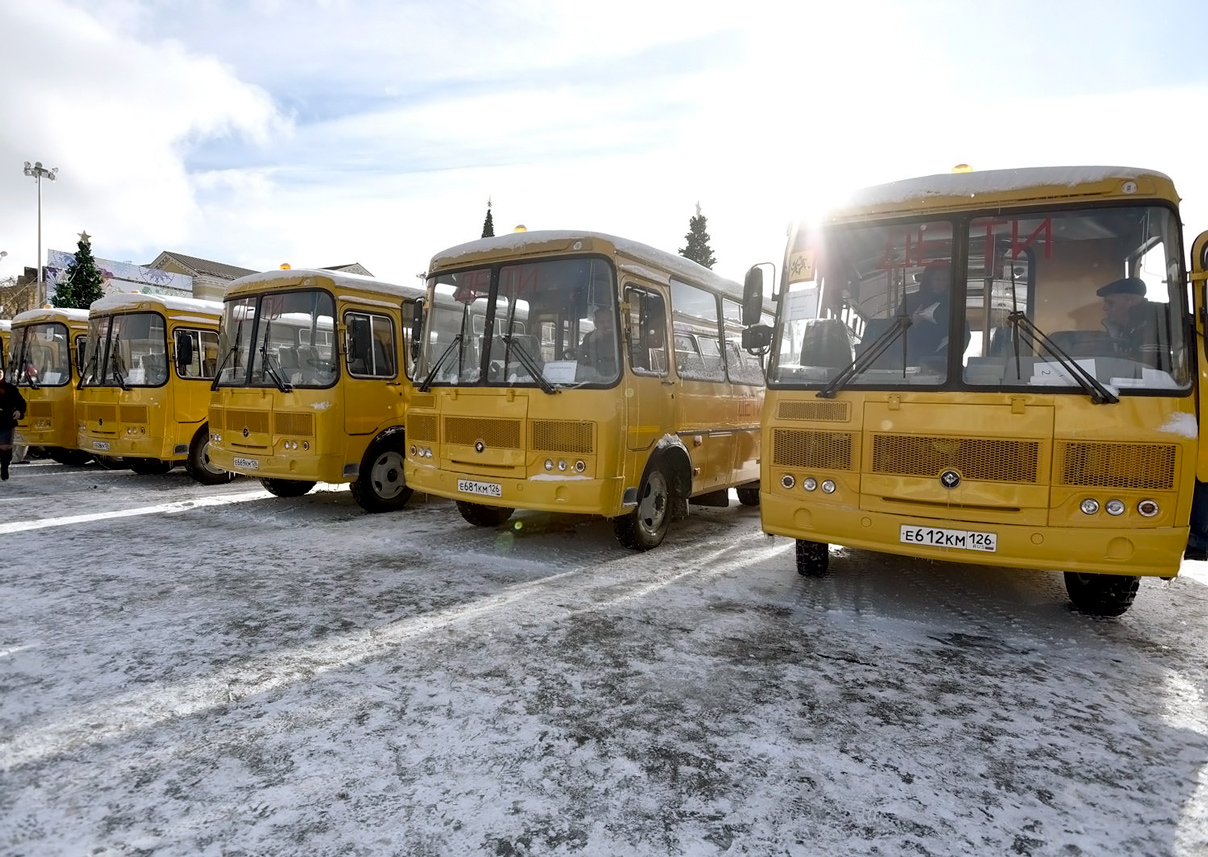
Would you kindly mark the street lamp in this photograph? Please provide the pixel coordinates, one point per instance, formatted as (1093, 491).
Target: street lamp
(38, 172)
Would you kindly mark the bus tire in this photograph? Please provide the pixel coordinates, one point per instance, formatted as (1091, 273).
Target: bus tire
(109, 462)
(380, 485)
(287, 487)
(198, 463)
(645, 527)
(748, 496)
(813, 558)
(483, 516)
(1101, 594)
(149, 466)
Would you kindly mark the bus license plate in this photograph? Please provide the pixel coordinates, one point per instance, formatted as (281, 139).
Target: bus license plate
(484, 489)
(936, 537)
(247, 463)
(102, 445)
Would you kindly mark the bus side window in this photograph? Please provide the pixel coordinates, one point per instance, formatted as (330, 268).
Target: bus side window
(646, 329)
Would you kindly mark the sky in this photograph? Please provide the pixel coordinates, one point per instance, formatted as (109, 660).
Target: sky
(243, 674)
(326, 132)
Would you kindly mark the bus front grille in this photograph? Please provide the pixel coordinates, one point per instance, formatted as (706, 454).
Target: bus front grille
(562, 436)
(294, 424)
(499, 434)
(422, 427)
(256, 421)
(981, 459)
(822, 411)
(100, 412)
(813, 449)
(132, 413)
(1143, 466)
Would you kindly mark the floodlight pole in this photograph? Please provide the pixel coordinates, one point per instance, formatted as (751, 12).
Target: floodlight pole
(38, 172)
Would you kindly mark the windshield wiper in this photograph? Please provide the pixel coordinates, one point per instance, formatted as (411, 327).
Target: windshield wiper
(230, 353)
(1099, 394)
(115, 363)
(427, 384)
(526, 360)
(27, 376)
(879, 346)
(282, 385)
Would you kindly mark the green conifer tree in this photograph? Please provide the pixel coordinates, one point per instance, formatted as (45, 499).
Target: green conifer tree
(488, 225)
(81, 283)
(698, 249)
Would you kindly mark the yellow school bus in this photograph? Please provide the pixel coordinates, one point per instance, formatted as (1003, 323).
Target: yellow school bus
(145, 383)
(45, 352)
(5, 331)
(951, 377)
(583, 373)
(312, 384)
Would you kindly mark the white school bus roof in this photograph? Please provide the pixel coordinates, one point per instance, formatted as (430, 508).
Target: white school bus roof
(657, 264)
(277, 280)
(50, 314)
(1024, 186)
(136, 302)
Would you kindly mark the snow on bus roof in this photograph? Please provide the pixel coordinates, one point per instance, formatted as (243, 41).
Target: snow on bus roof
(337, 278)
(520, 242)
(129, 299)
(49, 314)
(991, 181)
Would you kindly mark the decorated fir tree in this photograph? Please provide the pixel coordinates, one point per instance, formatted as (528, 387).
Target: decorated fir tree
(81, 283)
(488, 225)
(698, 249)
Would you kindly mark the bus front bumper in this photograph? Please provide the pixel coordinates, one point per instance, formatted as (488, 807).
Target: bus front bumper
(1153, 552)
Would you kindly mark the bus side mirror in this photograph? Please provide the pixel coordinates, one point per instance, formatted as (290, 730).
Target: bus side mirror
(757, 338)
(413, 312)
(752, 297)
(184, 351)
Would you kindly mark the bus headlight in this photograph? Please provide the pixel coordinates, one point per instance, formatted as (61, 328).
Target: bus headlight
(549, 464)
(1089, 506)
(809, 483)
(562, 465)
(580, 466)
(828, 487)
(1115, 507)
(787, 480)
(1147, 508)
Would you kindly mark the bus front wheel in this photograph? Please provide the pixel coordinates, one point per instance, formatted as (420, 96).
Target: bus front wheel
(286, 487)
(380, 486)
(198, 464)
(813, 558)
(646, 526)
(483, 516)
(1101, 594)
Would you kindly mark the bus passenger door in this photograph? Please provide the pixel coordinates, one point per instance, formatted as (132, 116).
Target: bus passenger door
(1199, 302)
(647, 387)
(373, 390)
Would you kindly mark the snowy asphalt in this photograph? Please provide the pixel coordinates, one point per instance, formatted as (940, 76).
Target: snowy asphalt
(215, 671)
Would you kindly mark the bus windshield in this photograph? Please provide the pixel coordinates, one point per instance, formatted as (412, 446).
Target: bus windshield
(41, 355)
(1074, 301)
(127, 350)
(543, 323)
(280, 339)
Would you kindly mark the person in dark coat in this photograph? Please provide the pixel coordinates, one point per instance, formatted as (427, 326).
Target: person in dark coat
(929, 309)
(1136, 324)
(12, 409)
